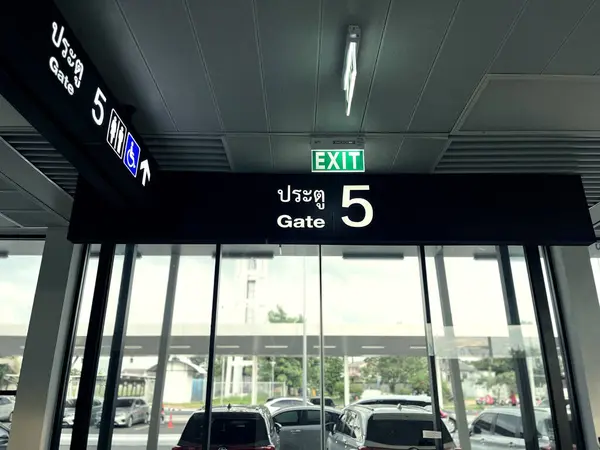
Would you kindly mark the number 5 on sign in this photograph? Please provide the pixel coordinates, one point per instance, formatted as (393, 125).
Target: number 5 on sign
(348, 201)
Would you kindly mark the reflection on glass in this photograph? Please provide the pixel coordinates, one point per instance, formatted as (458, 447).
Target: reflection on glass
(19, 269)
(476, 349)
(185, 378)
(267, 347)
(375, 347)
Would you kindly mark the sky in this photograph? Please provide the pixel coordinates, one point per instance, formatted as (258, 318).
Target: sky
(356, 292)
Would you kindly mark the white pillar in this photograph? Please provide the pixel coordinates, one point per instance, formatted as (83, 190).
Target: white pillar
(228, 372)
(346, 382)
(440, 382)
(254, 380)
(46, 343)
(581, 316)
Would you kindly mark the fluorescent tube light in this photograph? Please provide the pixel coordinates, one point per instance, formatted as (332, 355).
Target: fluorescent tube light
(350, 65)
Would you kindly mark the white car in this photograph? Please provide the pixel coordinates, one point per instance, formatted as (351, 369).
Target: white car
(7, 406)
(285, 402)
(424, 401)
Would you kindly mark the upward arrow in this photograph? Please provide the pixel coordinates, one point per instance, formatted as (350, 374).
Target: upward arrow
(145, 166)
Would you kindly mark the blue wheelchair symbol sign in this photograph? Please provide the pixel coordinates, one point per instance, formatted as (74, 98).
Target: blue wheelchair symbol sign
(131, 156)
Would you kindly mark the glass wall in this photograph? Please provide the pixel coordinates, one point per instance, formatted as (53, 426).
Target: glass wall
(487, 347)
(19, 268)
(312, 343)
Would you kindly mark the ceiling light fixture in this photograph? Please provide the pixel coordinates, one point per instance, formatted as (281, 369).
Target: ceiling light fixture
(350, 71)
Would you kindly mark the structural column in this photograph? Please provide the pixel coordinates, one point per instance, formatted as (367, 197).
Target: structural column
(577, 300)
(453, 361)
(47, 342)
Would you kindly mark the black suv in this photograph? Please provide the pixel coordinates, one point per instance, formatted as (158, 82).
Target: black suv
(385, 426)
(250, 427)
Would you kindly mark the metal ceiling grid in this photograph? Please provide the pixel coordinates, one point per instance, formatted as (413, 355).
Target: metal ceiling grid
(188, 152)
(42, 155)
(527, 155)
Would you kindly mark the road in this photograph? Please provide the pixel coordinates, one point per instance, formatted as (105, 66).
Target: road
(136, 437)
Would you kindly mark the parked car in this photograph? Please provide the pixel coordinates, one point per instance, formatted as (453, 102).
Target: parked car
(7, 406)
(423, 401)
(284, 402)
(69, 411)
(386, 426)
(301, 426)
(328, 401)
(247, 427)
(501, 427)
(4, 436)
(131, 410)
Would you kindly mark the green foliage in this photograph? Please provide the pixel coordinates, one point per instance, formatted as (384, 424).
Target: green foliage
(280, 316)
(356, 389)
(410, 371)
(4, 370)
(446, 391)
(288, 369)
(496, 365)
(502, 373)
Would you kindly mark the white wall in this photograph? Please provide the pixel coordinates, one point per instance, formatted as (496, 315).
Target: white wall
(178, 383)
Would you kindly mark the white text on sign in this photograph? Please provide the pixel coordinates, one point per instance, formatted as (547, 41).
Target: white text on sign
(338, 160)
(290, 195)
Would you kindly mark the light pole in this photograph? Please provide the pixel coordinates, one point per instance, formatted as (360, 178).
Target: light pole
(272, 377)
(304, 349)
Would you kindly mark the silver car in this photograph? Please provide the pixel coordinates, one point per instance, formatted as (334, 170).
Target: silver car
(131, 410)
(275, 404)
(301, 426)
(501, 428)
(7, 406)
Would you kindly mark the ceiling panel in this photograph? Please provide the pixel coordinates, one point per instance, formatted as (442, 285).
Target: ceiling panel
(579, 55)
(35, 219)
(536, 103)
(412, 38)
(228, 39)
(537, 36)
(289, 41)
(104, 33)
(15, 201)
(418, 155)
(380, 153)
(476, 33)
(175, 61)
(7, 223)
(291, 154)
(250, 153)
(337, 16)
(10, 118)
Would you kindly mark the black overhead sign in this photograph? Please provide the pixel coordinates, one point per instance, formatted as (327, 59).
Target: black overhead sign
(346, 209)
(47, 76)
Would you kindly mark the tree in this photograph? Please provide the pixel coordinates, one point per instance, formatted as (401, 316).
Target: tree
(502, 373)
(394, 370)
(280, 316)
(288, 369)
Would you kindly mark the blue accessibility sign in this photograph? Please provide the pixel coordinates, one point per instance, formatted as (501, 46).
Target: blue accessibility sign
(131, 156)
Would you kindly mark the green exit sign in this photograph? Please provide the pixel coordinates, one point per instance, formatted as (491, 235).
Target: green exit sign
(338, 160)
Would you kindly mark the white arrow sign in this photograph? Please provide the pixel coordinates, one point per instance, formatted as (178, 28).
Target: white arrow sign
(145, 171)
